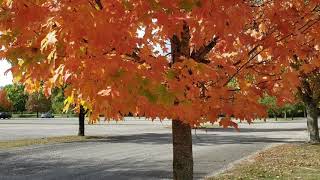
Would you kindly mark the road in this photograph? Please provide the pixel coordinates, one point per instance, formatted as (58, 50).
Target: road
(133, 149)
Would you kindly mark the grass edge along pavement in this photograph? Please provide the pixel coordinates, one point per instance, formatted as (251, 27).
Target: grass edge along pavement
(287, 161)
(4, 145)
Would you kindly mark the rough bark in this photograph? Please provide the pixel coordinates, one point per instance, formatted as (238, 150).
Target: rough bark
(304, 113)
(82, 114)
(312, 122)
(182, 151)
(181, 133)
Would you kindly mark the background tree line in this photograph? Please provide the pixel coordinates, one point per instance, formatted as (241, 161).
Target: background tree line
(289, 110)
(13, 98)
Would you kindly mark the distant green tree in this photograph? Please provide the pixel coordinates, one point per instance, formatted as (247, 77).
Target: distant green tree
(17, 96)
(57, 100)
(275, 111)
(293, 110)
(271, 103)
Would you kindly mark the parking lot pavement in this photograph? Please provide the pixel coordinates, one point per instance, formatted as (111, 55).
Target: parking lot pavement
(134, 149)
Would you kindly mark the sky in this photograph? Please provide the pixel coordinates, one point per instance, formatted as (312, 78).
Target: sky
(5, 79)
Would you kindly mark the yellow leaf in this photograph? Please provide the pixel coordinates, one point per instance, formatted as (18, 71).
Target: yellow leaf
(69, 100)
(48, 40)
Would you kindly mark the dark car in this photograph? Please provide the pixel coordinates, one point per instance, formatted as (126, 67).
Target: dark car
(5, 115)
(47, 115)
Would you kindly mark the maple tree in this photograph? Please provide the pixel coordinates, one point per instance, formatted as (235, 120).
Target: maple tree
(310, 95)
(186, 60)
(5, 104)
(296, 40)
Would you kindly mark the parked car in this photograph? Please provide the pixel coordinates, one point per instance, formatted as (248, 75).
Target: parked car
(5, 115)
(47, 115)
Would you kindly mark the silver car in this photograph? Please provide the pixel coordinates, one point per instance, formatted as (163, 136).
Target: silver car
(47, 115)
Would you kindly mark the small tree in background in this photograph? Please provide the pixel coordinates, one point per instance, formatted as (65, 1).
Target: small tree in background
(17, 96)
(5, 103)
(37, 102)
(295, 109)
(271, 103)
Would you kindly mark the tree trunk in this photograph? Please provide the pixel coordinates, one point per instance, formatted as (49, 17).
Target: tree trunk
(182, 151)
(81, 121)
(312, 122)
(37, 114)
(285, 115)
(304, 113)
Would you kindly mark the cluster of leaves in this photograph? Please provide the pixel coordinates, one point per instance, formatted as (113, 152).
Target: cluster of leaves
(217, 57)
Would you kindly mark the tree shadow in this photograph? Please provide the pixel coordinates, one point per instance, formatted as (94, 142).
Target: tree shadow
(199, 139)
(58, 169)
(18, 165)
(252, 130)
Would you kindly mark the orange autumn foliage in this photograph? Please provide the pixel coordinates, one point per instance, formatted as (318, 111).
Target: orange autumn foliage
(5, 104)
(190, 60)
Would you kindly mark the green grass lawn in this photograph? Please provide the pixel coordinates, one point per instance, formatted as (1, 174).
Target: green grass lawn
(285, 162)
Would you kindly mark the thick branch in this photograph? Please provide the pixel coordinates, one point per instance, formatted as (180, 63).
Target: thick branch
(304, 96)
(96, 3)
(200, 54)
(306, 87)
(135, 57)
(185, 40)
(175, 48)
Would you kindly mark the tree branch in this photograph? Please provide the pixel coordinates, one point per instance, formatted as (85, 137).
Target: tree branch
(243, 66)
(96, 3)
(200, 54)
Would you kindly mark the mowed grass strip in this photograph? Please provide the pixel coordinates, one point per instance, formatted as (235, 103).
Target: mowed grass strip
(289, 161)
(47, 140)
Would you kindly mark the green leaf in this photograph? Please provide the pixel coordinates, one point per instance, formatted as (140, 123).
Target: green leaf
(149, 95)
(188, 5)
(127, 4)
(171, 74)
(165, 97)
(119, 73)
(67, 102)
